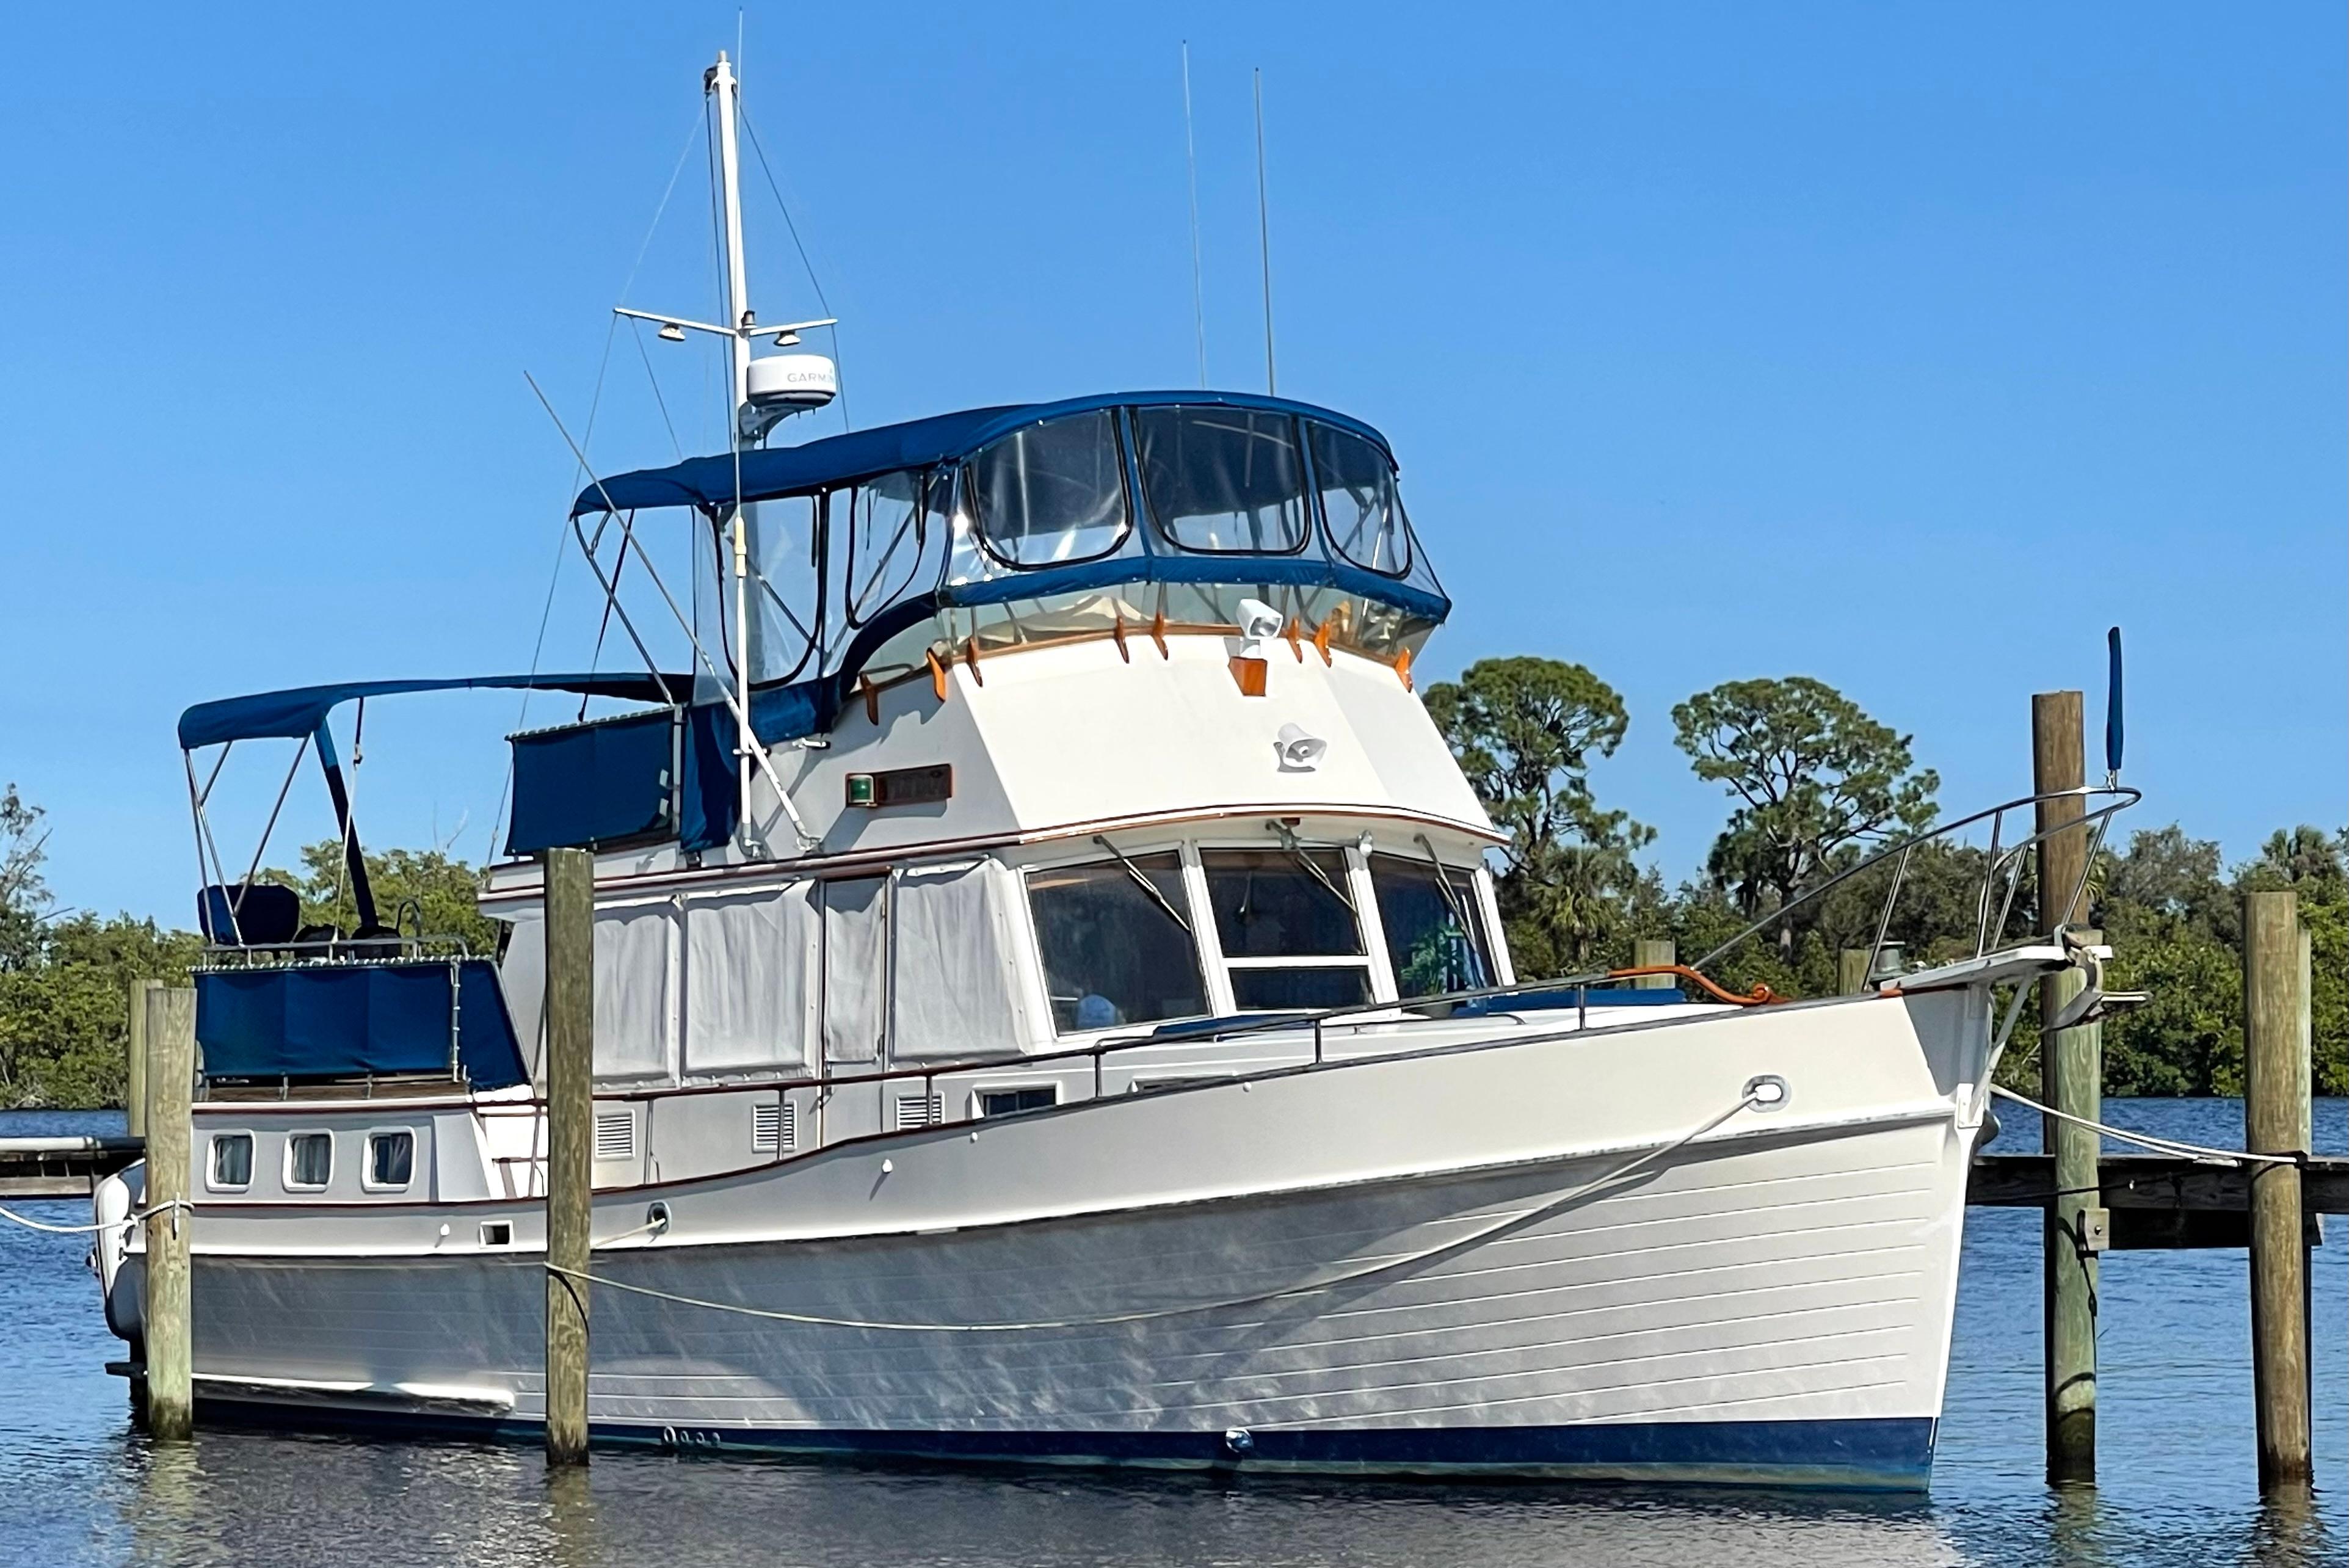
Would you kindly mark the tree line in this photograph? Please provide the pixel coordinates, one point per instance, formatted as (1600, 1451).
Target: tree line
(1812, 786)
(66, 975)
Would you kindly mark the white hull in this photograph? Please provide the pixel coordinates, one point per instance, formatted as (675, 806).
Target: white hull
(1425, 1263)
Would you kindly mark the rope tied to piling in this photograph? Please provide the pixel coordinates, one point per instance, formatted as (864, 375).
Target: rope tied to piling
(2197, 1153)
(138, 1218)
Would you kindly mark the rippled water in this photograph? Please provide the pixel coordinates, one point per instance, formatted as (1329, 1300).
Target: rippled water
(77, 1485)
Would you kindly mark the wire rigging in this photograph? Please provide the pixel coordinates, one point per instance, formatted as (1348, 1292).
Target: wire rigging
(791, 225)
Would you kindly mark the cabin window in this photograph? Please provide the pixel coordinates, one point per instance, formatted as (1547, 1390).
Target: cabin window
(391, 1158)
(1434, 939)
(1012, 1102)
(232, 1167)
(1359, 501)
(1115, 939)
(1286, 921)
(1226, 480)
(309, 1160)
(1053, 493)
(887, 530)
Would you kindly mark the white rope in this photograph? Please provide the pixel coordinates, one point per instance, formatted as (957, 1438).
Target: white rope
(11, 1215)
(2161, 1145)
(1504, 1223)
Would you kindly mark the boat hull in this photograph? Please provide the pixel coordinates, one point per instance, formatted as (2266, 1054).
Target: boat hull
(1767, 1303)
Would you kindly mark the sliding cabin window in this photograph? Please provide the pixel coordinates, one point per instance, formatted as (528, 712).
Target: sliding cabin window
(1115, 951)
(390, 1161)
(1053, 493)
(1291, 939)
(1358, 502)
(309, 1161)
(1435, 933)
(231, 1170)
(1226, 481)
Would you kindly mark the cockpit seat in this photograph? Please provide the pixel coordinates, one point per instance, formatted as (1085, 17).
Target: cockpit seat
(249, 915)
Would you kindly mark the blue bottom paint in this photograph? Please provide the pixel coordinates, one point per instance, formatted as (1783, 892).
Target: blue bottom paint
(1877, 1455)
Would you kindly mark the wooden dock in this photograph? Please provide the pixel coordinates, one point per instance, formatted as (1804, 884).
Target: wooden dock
(63, 1167)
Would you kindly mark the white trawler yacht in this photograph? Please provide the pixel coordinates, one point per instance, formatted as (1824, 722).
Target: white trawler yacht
(1050, 1005)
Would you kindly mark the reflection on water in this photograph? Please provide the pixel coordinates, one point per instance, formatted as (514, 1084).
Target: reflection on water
(77, 1485)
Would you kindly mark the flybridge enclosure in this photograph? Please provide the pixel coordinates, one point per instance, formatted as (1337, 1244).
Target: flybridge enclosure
(598, 785)
(869, 549)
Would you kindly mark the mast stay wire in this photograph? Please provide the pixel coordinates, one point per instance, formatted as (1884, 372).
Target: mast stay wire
(775, 190)
(561, 545)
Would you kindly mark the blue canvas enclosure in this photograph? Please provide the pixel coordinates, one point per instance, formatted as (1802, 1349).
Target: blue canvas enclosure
(882, 532)
(600, 783)
(350, 1021)
(712, 482)
(300, 710)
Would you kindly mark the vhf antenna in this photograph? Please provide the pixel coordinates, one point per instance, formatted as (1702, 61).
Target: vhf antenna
(1264, 235)
(1191, 161)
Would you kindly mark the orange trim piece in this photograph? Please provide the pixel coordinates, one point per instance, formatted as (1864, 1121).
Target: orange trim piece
(1322, 639)
(1294, 646)
(1250, 675)
(1117, 631)
(872, 699)
(1158, 633)
(1403, 669)
(938, 673)
(971, 657)
(1761, 995)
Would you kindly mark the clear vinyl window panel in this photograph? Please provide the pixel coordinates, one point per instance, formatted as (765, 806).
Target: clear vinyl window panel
(1053, 493)
(887, 533)
(1435, 939)
(1225, 481)
(1359, 501)
(784, 593)
(1115, 942)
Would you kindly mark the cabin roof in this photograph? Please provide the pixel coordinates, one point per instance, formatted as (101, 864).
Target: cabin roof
(713, 482)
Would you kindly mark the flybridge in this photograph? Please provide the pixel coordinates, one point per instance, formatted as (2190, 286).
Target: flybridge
(863, 555)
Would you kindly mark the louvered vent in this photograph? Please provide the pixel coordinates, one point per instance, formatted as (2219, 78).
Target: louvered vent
(615, 1135)
(916, 1110)
(774, 1128)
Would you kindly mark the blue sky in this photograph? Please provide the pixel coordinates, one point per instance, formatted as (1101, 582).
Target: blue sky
(1906, 350)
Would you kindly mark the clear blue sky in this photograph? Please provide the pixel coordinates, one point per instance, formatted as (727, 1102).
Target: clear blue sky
(1906, 350)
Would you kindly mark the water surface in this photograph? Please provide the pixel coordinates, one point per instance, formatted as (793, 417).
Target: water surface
(2179, 1484)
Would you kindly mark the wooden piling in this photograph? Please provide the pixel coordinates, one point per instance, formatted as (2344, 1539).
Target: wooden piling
(2276, 1121)
(570, 1144)
(1851, 971)
(1650, 953)
(2070, 1080)
(169, 1025)
(134, 1088)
